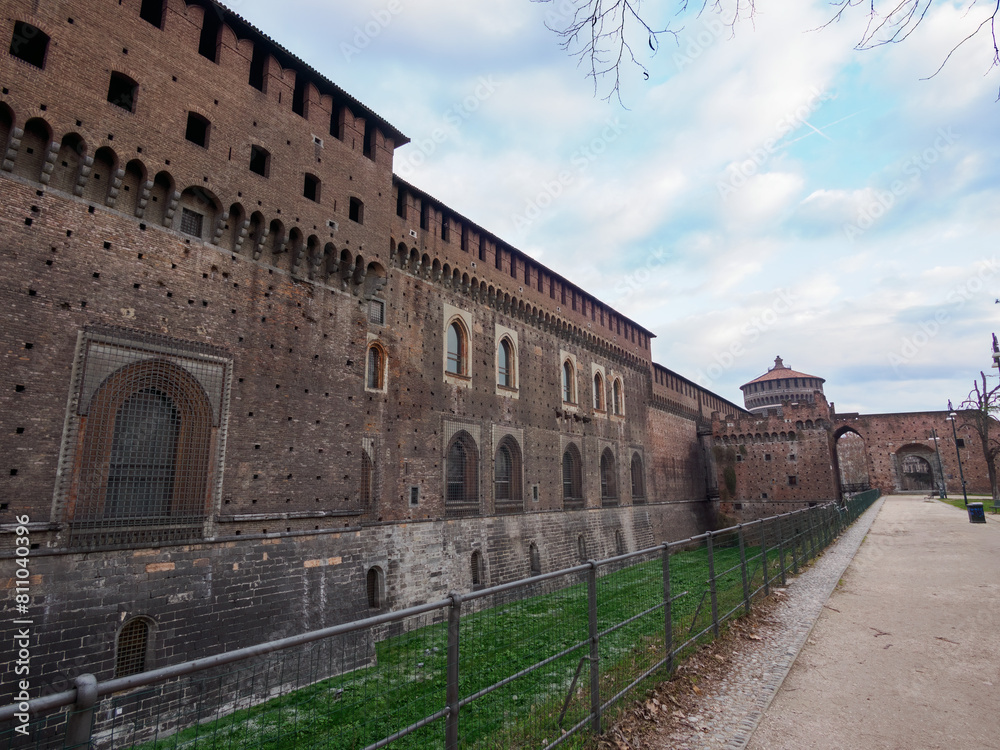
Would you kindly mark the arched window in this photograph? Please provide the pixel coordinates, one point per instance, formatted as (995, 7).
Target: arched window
(462, 477)
(572, 478)
(638, 481)
(507, 492)
(568, 383)
(581, 547)
(457, 362)
(311, 187)
(598, 392)
(478, 570)
(132, 648)
(375, 368)
(143, 468)
(375, 585)
(609, 485)
(534, 560)
(505, 363)
(617, 397)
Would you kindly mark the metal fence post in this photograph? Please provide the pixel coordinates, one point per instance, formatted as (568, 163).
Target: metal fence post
(595, 654)
(81, 719)
(796, 541)
(743, 570)
(668, 620)
(763, 557)
(451, 690)
(711, 585)
(781, 548)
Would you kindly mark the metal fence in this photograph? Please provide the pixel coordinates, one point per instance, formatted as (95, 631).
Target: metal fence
(530, 663)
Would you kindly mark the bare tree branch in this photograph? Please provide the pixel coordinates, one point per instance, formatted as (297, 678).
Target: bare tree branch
(603, 34)
(976, 416)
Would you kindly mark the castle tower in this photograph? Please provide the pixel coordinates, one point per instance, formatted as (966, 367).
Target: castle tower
(780, 384)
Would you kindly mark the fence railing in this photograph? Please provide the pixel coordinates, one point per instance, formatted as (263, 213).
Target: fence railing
(532, 662)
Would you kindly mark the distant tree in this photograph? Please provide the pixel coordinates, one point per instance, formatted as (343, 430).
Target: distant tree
(605, 34)
(976, 415)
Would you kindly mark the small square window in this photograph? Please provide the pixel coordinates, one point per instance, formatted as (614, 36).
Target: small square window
(191, 222)
(960, 442)
(197, 130)
(793, 481)
(739, 458)
(767, 456)
(122, 91)
(376, 312)
(763, 496)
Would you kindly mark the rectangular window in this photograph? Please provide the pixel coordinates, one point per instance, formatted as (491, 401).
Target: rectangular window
(482, 247)
(425, 211)
(793, 481)
(960, 442)
(376, 312)
(414, 495)
(29, 43)
(211, 32)
(191, 222)
(122, 91)
(357, 211)
(260, 161)
(152, 11)
(767, 456)
(197, 130)
(257, 66)
(401, 203)
(445, 229)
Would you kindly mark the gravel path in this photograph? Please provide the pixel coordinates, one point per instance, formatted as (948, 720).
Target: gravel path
(731, 710)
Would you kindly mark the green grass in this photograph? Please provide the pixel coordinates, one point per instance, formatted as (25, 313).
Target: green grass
(959, 501)
(406, 681)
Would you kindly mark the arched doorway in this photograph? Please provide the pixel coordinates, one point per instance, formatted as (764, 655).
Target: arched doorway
(916, 469)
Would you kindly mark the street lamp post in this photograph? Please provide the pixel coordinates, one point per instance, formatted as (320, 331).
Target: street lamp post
(937, 449)
(951, 418)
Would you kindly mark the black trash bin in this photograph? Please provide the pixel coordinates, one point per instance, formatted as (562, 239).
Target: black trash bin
(976, 513)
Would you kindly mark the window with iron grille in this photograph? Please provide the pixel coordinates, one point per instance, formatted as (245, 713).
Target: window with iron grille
(462, 476)
(131, 648)
(507, 493)
(609, 485)
(191, 222)
(477, 569)
(572, 478)
(376, 312)
(144, 438)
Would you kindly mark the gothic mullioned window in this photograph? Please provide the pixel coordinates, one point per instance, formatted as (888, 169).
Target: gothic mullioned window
(458, 343)
(505, 364)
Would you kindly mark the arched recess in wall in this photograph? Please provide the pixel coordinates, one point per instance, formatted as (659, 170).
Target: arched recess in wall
(69, 161)
(462, 476)
(292, 259)
(6, 126)
(276, 241)
(375, 587)
(145, 456)
(34, 148)
(314, 257)
(508, 494)
(916, 468)
(478, 570)
(852, 461)
(256, 236)
(638, 476)
(97, 188)
(234, 231)
(609, 478)
(534, 560)
(130, 193)
(159, 198)
(572, 475)
(375, 280)
(198, 211)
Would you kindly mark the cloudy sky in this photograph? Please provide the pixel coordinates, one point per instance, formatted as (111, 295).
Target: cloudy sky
(772, 191)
